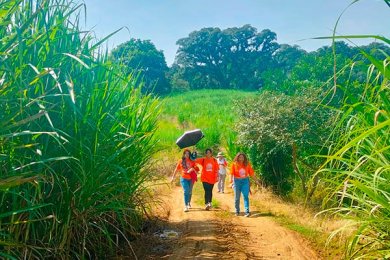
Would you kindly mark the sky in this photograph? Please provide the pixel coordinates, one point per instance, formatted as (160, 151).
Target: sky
(295, 22)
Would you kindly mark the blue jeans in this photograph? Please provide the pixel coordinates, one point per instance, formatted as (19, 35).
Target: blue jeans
(187, 187)
(191, 187)
(241, 186)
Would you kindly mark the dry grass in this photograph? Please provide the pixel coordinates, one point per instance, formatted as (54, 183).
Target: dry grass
(317, 228)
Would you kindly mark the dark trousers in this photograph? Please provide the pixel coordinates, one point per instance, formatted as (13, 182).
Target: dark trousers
(208, 192)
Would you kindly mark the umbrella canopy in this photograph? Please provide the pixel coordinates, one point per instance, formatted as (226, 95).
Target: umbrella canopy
(189, 138)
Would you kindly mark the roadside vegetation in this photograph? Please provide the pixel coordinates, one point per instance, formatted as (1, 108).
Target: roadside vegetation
(84, 131)
(75, 137)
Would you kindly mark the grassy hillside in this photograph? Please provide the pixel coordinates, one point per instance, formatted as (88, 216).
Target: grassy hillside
(210, 110)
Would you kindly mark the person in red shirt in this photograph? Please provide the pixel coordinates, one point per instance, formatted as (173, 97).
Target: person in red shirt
(209, 175)
(240, 172)
(188, 170)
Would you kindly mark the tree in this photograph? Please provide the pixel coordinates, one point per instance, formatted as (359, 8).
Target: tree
(376, 49)
(231, 58)
(295, 68)
(201, 57)
(285, 58)
(142, 57)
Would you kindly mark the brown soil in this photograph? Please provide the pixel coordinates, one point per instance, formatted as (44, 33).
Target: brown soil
(219, 234)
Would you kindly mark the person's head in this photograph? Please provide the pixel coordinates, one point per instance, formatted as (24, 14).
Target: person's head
(209, 152)
(186, 153)
(220, 155)
(194, 155)
(241, 158)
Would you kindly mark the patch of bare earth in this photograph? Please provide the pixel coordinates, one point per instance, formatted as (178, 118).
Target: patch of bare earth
(219, 234)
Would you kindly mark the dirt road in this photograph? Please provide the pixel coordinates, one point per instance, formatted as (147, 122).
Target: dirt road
(219, 234)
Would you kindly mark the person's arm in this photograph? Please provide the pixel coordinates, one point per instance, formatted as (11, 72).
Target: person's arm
(232, 169)
(196, 168)
(253, 176)
(175, 171)
(174, 175)
(200, 162)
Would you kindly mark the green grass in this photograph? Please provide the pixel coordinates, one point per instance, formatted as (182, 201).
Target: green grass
(303, 230)
(212, 111)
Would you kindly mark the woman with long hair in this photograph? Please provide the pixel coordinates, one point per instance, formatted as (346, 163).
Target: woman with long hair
(188, 171)
(240, 172)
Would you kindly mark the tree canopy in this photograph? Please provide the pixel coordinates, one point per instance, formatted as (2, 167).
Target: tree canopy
(141, 57)
(233, 58)
(241, 58)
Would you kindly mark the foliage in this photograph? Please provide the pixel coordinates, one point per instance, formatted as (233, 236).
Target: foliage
(356, 171)
(357, 168)
(233, 58)
(242, 58)
(281, 132)
(75, 137)
(287, 57)
(325, 68)
(210, 110)
(142, 57)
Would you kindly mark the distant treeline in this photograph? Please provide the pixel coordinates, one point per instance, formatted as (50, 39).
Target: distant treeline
(239, 58)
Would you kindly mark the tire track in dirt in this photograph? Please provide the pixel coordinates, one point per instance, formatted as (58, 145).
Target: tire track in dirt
(219, 234)
(203, 234)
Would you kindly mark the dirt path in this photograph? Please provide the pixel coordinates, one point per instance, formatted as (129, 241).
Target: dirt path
(219, 234)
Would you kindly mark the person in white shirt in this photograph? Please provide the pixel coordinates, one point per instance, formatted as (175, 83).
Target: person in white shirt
(222, 172)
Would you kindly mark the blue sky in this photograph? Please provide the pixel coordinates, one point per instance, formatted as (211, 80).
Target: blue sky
(294, 21)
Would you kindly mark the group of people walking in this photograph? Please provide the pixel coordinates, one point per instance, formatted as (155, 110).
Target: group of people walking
(214, 170)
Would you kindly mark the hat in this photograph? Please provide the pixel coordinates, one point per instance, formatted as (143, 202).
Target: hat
(219, 154)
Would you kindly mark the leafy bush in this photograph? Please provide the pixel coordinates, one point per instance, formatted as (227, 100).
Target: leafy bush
(281, 132)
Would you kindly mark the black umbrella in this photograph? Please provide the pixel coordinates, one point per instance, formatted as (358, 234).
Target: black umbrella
(189, 138)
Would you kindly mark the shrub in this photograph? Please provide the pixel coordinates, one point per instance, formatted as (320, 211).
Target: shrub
(281, 132)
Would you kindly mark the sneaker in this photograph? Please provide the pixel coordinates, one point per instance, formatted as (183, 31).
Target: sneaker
(247, 214)
(207, 206)
(210, 205)
(186, 209)
(189, 205)
(237, 214)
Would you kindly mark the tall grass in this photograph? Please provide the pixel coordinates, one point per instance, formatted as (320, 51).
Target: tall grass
(75, 137)
(357, 169)
(210, 110)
